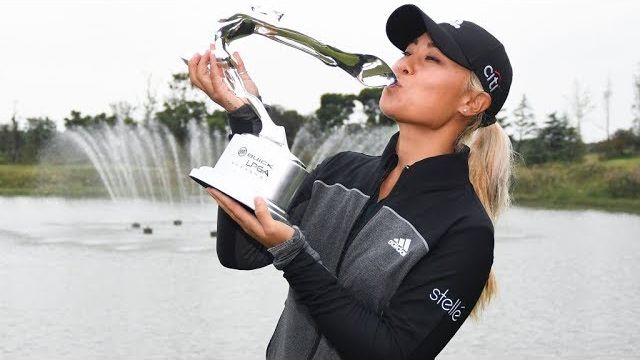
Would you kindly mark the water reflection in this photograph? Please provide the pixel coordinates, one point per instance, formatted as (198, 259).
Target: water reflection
(80, 283)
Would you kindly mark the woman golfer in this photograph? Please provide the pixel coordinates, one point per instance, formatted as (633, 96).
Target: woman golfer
(387, 255)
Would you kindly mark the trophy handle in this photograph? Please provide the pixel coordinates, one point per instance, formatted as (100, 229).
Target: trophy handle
(368, 69)
(240, 28)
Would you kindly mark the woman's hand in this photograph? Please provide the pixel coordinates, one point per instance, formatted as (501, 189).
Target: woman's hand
(262, 226)
(211, 82)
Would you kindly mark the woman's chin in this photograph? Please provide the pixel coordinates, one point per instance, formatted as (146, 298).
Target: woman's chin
(388, 110)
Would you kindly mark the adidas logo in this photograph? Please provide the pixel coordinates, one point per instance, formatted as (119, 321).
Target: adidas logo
(401, 245)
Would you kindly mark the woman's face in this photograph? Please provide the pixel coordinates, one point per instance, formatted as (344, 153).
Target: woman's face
(430, 86)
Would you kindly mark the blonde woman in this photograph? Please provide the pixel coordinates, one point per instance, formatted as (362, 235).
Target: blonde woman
(388, 255)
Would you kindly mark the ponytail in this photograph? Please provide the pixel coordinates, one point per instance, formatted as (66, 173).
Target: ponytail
(490, 166)
(490, 169)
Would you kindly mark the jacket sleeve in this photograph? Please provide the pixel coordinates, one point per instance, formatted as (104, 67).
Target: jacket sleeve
(243, 120)
(424, 313)
(235, 248)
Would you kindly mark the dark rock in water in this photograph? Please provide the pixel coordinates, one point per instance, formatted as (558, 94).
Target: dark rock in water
(214, 233)
(135, 225)
(147, 230)
(177, 222)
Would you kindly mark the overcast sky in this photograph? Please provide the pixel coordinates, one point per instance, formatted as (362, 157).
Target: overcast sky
(84, 55)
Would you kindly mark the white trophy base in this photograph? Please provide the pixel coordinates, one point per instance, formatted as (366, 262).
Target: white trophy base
(252, 166)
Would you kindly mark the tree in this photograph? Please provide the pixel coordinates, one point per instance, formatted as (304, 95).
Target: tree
(76, 119)
(622, 143)
(179, 86)
(635, 105)
(523, 122)
(176, 116)
(560, 141)
(334, 109)
(290, 119)
(122, 112)
(150, 103)
(179, 109)
(581, 105)
(502, 119)
(217, 120)
(607, 102)
(5, 142)
(370, 99)
(15, 139)
(38, 133)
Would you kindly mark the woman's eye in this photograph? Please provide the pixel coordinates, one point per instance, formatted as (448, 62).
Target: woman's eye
(406, 53)
(431, 58)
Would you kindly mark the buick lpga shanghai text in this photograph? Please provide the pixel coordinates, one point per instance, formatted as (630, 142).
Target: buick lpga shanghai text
(255, 162)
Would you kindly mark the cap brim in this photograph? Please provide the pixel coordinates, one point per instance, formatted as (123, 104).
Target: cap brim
(408, 22)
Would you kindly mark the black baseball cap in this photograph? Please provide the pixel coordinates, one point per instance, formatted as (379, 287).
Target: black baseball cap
(464, 42)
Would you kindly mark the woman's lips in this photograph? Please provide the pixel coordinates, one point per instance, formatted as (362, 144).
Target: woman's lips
(395, 85)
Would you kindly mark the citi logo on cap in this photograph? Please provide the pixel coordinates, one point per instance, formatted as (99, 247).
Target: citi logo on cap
(492, 77)
(456, 23)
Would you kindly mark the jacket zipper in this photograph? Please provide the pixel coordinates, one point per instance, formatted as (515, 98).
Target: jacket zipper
(352, 235)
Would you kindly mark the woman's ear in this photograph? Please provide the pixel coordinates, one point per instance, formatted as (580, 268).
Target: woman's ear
(477, 103)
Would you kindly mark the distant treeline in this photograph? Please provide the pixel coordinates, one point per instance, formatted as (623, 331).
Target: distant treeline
(557, 140)
(553, 140)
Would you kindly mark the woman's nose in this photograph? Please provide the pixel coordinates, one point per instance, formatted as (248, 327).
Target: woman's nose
(404, 67)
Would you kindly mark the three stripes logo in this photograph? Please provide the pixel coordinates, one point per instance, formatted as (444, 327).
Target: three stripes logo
(400, 245)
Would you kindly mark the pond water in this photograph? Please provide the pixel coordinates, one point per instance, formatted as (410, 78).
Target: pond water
(77, 281)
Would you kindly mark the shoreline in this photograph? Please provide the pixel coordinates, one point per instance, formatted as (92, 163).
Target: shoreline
(575, 186)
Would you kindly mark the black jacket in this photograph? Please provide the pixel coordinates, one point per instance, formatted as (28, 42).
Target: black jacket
(393, 279)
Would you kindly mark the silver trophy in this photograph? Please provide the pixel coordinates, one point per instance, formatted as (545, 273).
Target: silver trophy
(262, 165)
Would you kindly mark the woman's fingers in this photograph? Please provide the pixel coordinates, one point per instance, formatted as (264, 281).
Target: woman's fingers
(223, 94)
(221, 204)
(241, 69)
(249, 84)
(193, 69)
(202, 69)
(247, 221)
(226, 209)
(198, 72)
(211, 80)
(263, 215)
(217, 74)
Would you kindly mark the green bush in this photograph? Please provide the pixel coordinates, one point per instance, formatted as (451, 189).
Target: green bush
(586, 171)
(624, 183)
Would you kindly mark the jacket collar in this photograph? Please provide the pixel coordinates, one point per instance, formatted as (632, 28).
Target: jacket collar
(440, 170)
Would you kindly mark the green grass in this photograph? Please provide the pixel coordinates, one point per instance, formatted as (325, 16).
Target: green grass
(60, 180)
(610, 185)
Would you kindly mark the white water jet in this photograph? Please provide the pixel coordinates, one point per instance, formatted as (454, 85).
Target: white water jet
(148, 162)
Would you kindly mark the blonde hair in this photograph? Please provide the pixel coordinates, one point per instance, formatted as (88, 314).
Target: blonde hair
(490, 169)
